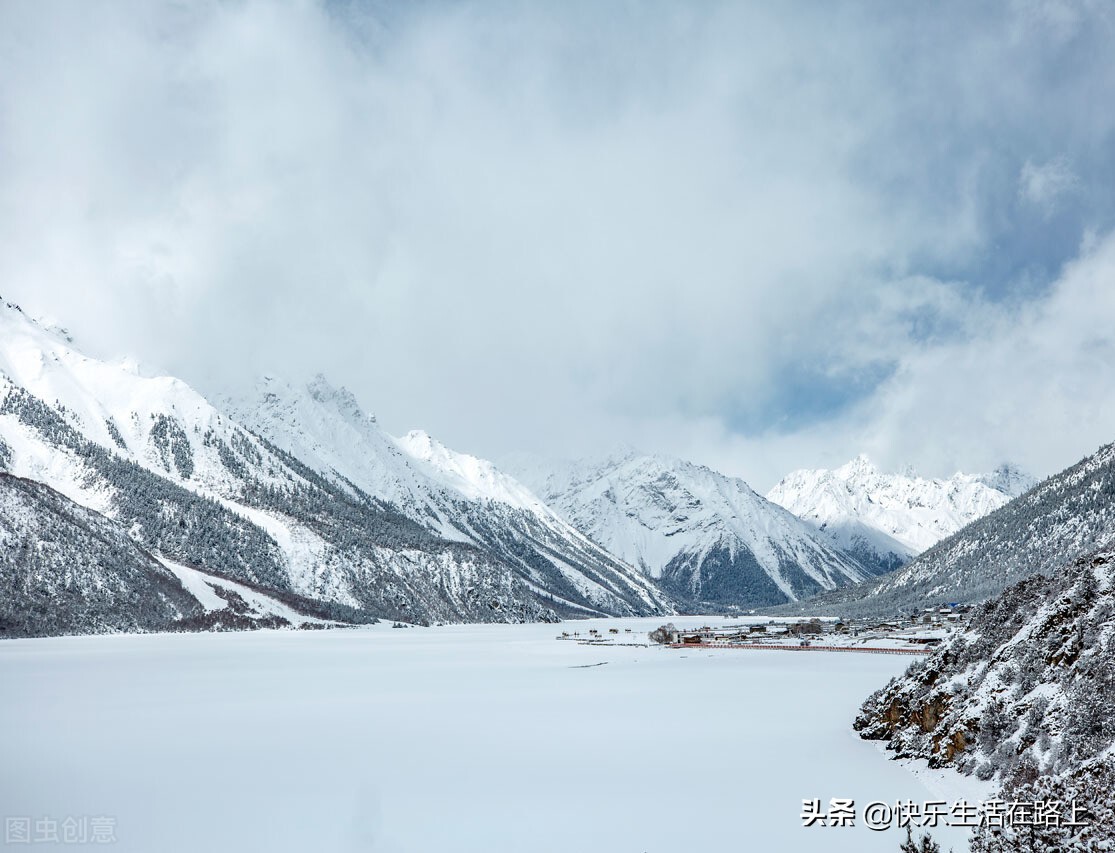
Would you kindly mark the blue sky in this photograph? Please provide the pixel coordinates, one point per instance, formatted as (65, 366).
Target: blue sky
(763, 237)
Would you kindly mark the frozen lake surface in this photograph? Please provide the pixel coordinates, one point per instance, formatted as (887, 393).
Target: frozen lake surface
(463, 738)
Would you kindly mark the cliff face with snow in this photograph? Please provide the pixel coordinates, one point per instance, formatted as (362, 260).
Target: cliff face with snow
(702, 535)
(1022, 696)
(884, 520)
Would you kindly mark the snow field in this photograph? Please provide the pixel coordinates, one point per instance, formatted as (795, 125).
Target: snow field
(459, 738)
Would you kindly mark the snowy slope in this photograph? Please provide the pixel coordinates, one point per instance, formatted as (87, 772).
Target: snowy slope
(325, 427)
(705, 536)
(1021, 697)
(146, 451)
(191, 485)
(885, 519)
(473, 478)
(65, 569)
(68, 570)
(452, 495)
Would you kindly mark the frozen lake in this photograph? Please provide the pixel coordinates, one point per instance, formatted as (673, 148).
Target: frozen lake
(465, 738)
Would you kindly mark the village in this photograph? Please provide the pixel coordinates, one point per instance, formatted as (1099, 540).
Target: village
(915, 634)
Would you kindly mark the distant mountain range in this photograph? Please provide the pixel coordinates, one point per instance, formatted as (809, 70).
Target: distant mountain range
(884, 520)
(1060, 519)
(191, 485)
(451, 496)
(158, 509)
(703, 536)
(1021, 695)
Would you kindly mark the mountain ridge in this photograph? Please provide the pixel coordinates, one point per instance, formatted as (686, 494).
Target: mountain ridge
(189, 483)
(452, 495)
(887, 519)
(704, 536)
(1056, 521)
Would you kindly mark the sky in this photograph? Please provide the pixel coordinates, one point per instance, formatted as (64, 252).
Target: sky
(759, 236)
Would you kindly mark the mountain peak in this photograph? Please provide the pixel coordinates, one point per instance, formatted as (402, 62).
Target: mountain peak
(421, 445)
(702, 534)
(323, 391)
(861, 466)
(42, 325)
(1009, 479)
(418, 442)
(477, 479)
(903, 513)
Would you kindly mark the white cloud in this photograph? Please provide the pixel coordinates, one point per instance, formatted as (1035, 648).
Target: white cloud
(1031, 383)
(1045, 186)
(1028, 383)
(533, 227)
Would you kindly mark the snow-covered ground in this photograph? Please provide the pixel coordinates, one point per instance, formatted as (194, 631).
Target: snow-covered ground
(481, 737)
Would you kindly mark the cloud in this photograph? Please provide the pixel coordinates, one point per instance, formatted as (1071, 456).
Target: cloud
(711, 230)
(1027, 383)
(1024, 382)
(1046, 185)
(1060, 19)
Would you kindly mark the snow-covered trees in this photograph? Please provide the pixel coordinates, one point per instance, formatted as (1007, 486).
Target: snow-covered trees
(925, 844)
(1025, 697)
(67, 570)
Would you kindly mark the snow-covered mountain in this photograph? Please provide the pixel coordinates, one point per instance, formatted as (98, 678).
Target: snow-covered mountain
(886, 519)
(702, 535)
(1009, 479)
(65, 569)
(1021, 696)
(452, 495)
(1056, 521)
(193, 487)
